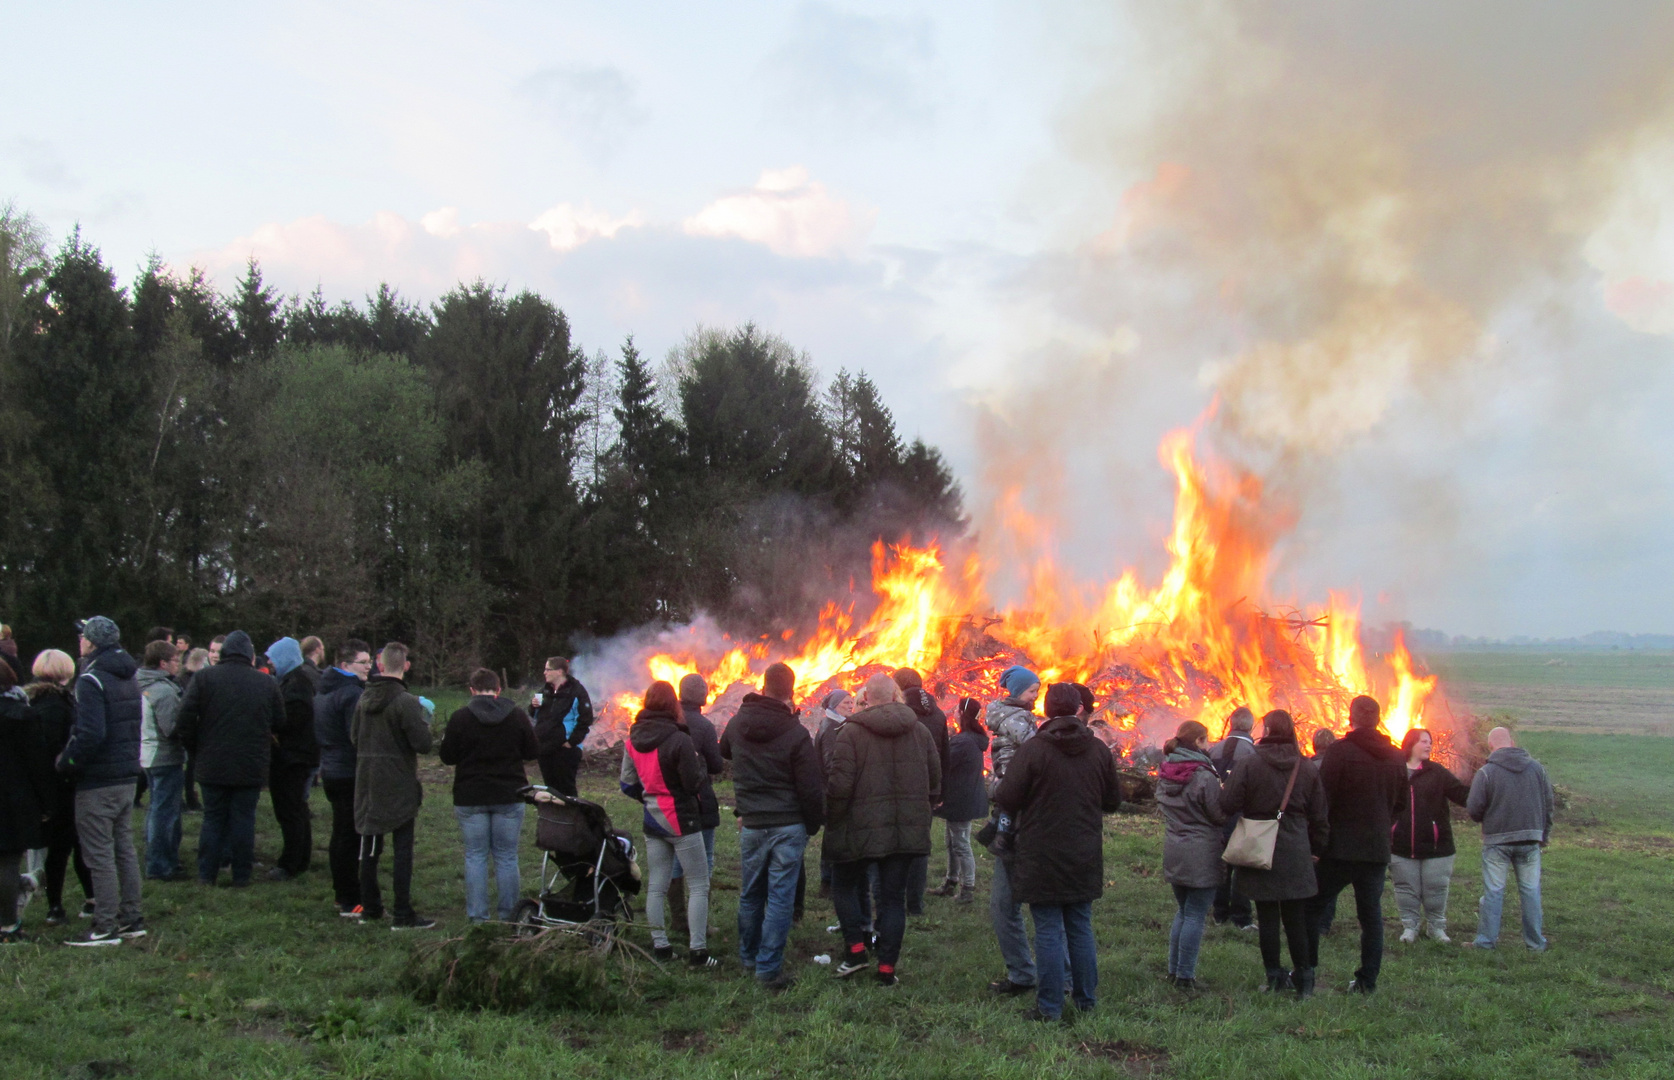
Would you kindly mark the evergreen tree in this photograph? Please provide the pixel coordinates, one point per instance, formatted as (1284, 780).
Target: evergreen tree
(256, 314)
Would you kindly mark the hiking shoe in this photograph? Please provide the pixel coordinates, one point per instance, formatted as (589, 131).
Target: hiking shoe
(56, 916)
(135, 929)
(87, 909)
(662, 953)
(777, 982)
(946, 888)
(412, 922)
(350, 911)
(1188, 985)
(967, 895)
(1007, 988)
(1409, 935)
(1035, 1016)
(887, 978)
(700, 958)
(95, 939)
(855, 962)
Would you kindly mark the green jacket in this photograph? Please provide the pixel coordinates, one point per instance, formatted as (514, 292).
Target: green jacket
(883, 780)
(389, 732)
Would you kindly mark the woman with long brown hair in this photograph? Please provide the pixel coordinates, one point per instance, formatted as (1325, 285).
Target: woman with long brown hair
(1189, 795)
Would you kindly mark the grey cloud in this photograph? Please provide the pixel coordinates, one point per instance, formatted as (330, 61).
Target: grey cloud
(41, 162)
(852, 71)
(591, 105)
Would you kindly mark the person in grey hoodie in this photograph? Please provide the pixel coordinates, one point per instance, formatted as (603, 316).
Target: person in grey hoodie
(163, 759)
(1189, 795)
(1512, 798)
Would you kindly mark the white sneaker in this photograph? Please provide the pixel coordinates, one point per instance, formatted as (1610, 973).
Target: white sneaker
(1440, 935)
(1409, 936)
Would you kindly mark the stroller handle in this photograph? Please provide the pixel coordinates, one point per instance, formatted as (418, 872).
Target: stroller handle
(535, 794)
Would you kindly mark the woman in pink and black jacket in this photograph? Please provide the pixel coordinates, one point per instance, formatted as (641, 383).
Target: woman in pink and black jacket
(661, 768)
(1421, 859)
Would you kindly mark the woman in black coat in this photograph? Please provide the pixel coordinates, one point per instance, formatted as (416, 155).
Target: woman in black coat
(26, 793)
(54, 702)
(964, 800)
(1421, 863)
(1255, 789)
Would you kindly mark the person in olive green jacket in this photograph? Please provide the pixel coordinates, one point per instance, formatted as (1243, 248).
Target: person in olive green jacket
(389, 731)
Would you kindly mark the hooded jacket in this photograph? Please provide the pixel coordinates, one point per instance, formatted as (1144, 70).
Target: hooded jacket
(27, 790)
(565, 716)
(295, 741)
(1424, 830)
(1060, 785)
(709, 751)
(885, 779)
(1226, 754)
(661, 768)
(389, 732)
(334, 710)
(776, 774)
(1189, 795)
(159, 747)
(487, 743)
(964, 797)
(55, 706)
(1255, 789)
(228, 717)
(932, 717)
(1010, 724)
(104, 745)
(1365, 778)
(1512, 798)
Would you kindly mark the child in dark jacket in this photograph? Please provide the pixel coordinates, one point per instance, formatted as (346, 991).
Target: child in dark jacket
(964, 800)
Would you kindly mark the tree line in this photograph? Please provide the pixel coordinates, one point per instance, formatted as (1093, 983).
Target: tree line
(464, 476)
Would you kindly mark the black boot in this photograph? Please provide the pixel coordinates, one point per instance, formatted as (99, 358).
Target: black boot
(1304, 979)
(1277, 979)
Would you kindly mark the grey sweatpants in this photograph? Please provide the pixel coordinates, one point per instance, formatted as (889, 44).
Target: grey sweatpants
(660, 853)
(1421, 890)
(961, 860)
(104, 823)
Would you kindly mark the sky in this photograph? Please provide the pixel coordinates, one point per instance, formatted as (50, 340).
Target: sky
(1419, 257)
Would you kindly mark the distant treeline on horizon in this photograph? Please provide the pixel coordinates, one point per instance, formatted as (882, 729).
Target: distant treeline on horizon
(463, 476)
(1600, 640)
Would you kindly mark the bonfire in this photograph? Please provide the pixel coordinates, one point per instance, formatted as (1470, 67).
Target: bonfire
(1204, 640)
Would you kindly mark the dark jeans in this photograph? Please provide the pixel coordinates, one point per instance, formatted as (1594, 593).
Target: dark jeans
(345, 842)
(191, 800)
(1293, 916)
(848, 878)
(229, 832)
(402, 874)
(11, 884)
(63, 848)
(162, 822)
(287, 785)
(1230, 905)
(559, 768)
(1334, 876)
(1064, 938)
(917, 874)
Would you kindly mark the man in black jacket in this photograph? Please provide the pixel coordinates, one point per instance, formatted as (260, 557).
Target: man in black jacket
(296, 753)
(334, 707)
(779, 789)
(562, 719)
(103, 755)
(1365, 787)
(694, 695)
(227, 722)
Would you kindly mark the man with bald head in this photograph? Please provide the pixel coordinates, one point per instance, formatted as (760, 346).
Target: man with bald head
(1512, 798)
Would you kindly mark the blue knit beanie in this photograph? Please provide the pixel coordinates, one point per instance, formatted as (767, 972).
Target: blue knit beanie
(1014, 680)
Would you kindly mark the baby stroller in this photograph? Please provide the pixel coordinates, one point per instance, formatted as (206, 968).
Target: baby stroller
(588, 870)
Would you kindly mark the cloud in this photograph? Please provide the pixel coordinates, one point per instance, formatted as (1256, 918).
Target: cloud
(589, 105)
(568, 227)
(853, 71)
(789, 213)
(42, 163)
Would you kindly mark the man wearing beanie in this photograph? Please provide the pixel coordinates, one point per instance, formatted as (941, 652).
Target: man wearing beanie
(780, 793)
(1059, 786)
(227, 722)
(1011, 723)
(103, 754)
(296, 753)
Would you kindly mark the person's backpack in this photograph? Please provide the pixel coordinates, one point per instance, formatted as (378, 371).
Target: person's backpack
(1228, 755)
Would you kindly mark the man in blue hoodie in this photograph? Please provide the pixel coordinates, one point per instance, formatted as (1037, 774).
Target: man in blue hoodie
(334, 708)
(103, 754)
(295, 755)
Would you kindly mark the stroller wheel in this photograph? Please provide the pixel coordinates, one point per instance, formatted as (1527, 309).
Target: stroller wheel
(527, 915)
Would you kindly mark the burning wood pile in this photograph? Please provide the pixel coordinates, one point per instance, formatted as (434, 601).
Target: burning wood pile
(1201, 643)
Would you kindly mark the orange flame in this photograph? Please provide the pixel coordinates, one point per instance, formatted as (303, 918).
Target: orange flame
(1195, 647)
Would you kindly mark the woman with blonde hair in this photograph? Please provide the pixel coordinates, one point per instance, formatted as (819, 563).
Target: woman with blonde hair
(52, 696)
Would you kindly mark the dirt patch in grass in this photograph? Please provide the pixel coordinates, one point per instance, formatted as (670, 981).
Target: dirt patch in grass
(679, 1040)
(1592, 1059)
(1139, 1059)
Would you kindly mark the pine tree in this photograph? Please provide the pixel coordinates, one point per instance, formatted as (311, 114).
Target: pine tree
(256, 314)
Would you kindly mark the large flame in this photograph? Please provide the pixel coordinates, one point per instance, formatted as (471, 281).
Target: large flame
(1204, 641)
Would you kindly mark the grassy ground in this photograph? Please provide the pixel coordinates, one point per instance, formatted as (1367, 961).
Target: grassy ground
(268, 982)
(1627, 692)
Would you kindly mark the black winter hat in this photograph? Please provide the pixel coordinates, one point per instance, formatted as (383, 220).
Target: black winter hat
(1062, 699)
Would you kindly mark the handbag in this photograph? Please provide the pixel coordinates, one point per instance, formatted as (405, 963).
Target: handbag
(1252, 841)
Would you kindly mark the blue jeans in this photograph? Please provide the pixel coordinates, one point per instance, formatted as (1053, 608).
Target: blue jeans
(162, 820)
(708, 849)
(229, 831)
(1007, 918)
(1184, 940)
(1499, 862)
(495, 829)
(1065, 930)
(772, 862)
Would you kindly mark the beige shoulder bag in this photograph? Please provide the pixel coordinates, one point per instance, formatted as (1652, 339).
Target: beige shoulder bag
(1251, 844)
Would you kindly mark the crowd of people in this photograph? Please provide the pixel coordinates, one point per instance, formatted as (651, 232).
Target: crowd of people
(78, 741)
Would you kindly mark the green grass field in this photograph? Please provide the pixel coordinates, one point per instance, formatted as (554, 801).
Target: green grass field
(269, 982)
